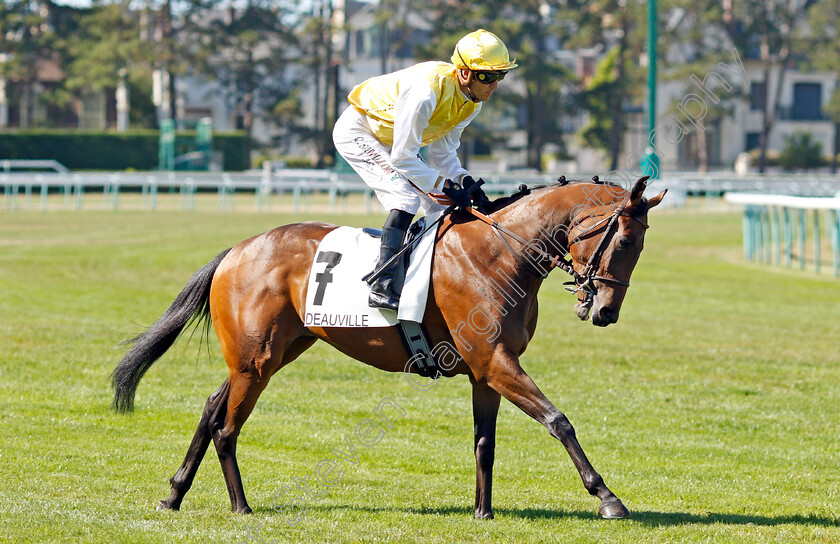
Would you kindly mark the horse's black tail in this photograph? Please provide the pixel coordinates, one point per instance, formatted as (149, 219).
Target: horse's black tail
(192, 304)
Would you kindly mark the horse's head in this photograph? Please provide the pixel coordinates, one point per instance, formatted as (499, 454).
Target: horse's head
(605, 244)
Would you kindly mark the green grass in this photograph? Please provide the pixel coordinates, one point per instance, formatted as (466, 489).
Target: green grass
(711, 408)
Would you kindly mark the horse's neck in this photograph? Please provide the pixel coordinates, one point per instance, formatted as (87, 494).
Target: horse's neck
(545, 212)
(545, 217)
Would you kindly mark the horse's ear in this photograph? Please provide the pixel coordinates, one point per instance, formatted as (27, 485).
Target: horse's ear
(655, 200)
(638, 189)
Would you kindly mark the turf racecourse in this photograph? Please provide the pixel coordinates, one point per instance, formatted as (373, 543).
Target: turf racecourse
(711, 408)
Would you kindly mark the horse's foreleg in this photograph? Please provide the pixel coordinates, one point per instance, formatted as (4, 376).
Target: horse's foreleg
(183, 479)
(485, 410)
(508, 378)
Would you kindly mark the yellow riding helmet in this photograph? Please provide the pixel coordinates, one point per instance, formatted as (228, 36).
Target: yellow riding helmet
(482, 50)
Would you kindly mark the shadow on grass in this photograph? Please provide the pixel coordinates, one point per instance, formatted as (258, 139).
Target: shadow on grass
(671, 519)
(677, 518)
(420, 510)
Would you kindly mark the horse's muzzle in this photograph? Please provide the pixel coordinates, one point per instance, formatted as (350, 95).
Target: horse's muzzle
(604, 316)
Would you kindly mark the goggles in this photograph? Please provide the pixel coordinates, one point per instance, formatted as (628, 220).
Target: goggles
(490, 77)
(485, 76)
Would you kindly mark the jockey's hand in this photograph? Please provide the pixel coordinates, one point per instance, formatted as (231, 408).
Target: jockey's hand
(478, 197)
(459, 195)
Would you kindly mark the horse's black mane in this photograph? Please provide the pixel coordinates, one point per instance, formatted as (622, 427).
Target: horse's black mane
(504, 201)
(524, 190)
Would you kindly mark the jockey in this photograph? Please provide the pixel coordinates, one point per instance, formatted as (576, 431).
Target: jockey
(394, 115)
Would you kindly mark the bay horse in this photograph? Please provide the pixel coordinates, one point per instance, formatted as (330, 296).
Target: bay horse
(254, 293)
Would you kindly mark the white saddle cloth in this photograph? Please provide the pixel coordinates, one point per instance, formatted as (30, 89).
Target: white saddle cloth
(338, 297)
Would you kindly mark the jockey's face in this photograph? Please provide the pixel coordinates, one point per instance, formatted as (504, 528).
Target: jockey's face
(473, 87)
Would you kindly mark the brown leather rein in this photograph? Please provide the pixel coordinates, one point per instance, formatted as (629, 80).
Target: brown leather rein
(580, 281)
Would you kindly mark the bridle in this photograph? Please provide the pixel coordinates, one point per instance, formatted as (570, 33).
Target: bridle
(581, 282)
(584, 282)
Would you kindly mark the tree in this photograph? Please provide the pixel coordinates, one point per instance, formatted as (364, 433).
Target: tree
(597, 98)
(694, 31)
(767, 25)
(619, 27)
(801, 152)
(107, 43)
(26, 40)
(170, 56)
(541, 88)
(321, 65)
(107, 50)
(393, 17)
(246, 48)
(833, 111)
(823, 40)
(548, 83)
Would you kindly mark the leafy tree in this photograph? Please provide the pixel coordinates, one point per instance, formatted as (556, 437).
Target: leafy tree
(549, 84)
(393, 19)
(630, 29)
(596, 98)
(320, 78)
(768, 26)
(694, 28)
(168, 51)
(833, 111)
(142, 112)
(823, 40)
(246, 48)
(529, 28)
(107, 49)
(107, 44)
(26, 39)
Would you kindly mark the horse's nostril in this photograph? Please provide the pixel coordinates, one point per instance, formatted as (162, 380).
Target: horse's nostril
(607, 314)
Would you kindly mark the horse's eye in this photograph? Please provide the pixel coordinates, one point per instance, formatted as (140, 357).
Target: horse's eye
(625, 243)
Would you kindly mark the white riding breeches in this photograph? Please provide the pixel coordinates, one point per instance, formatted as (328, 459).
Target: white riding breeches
(372, 161)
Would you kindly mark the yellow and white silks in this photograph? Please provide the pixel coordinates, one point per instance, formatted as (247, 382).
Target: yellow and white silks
(391, 117)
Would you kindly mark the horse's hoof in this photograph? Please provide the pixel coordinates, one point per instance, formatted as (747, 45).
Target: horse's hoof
(164, 505)
(479, 514)
(613, 508)
(244, 510)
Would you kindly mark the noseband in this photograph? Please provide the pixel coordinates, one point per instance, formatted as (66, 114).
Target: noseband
(581, 282)
(584, 282)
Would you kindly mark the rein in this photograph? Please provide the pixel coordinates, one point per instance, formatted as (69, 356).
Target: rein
(580, 281)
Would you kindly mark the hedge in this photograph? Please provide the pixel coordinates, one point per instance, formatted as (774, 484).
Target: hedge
(99, 150)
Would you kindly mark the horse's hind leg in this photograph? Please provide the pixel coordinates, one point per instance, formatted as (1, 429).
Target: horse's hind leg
(183, 479)
(245, 389)
(248, 379)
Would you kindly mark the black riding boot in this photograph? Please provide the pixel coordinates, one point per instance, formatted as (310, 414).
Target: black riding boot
(382, 292)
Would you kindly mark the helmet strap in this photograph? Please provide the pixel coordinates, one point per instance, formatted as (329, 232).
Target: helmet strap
(465, 83)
